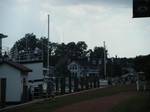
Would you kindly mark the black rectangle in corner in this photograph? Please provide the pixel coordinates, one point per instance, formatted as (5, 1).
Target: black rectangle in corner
(141, 8)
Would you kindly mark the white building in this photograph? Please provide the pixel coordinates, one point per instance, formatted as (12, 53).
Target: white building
(36, 77)
(14, 80)
(79, 69)
(37, 82)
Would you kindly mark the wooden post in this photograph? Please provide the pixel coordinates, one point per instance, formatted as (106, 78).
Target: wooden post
(70, 84)
(57, 84)
(63, 85)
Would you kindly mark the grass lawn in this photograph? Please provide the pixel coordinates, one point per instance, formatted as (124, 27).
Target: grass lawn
(49, 106)
(138, 103)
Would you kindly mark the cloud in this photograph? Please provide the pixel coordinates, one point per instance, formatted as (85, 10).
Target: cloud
(92, 2)
(92, 21)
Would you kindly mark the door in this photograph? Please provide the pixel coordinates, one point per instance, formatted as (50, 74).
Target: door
(2, 92)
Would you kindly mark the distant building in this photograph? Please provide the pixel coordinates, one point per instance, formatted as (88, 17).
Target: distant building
(87, 73)
(84, 68)
(13, 82)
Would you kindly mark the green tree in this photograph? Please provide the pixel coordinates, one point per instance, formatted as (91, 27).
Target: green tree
(98, 52)
(61, 50)
(26, 44)
(82, 48)
(29, 43)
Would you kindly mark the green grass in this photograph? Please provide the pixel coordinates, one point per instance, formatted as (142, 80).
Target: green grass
(49, 106)
(138, 103)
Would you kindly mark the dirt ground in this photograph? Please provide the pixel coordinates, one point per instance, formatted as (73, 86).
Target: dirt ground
(103, 104)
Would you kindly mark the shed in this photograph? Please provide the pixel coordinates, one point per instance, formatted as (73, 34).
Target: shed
(13, 82)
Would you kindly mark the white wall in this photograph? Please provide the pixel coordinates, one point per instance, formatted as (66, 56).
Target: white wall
(37, 72)
(13, 83)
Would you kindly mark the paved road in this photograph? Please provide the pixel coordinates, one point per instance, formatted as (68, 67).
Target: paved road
(98, 105)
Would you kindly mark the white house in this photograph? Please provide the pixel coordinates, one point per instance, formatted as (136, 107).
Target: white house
(84, 69)
(13, 82)
(79, 69)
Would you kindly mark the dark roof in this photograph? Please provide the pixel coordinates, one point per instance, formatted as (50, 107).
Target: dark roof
(17, 66)
(87, 64)
(31, 61)
(2, 35)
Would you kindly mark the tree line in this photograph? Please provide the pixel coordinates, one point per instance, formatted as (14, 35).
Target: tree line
(61, 53)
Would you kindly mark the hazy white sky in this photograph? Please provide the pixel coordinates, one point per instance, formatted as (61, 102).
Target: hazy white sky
(92, 21)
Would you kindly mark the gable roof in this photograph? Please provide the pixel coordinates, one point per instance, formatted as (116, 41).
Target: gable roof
(17, 66)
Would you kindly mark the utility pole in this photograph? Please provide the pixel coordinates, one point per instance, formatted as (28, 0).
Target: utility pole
(105, 61)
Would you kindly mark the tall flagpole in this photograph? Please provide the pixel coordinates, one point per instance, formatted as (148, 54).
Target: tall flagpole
(48, 60)
(48, 48)
(47, 70)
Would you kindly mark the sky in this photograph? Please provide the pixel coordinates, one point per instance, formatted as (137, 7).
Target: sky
(92, 21)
